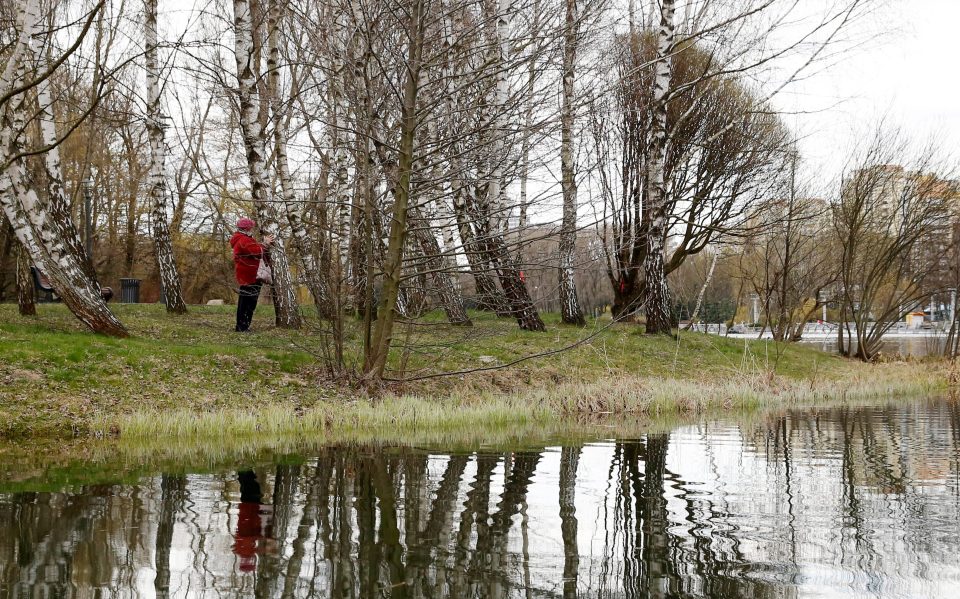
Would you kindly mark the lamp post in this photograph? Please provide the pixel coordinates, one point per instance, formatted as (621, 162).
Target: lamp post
(88, 216)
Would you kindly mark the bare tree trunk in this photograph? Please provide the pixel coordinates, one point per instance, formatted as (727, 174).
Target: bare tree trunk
(310, 271)
(284, 296)
(655, 278)
(527, 124)
(58, 205)
(26, 303)
(435, 264)
(570, 311)
(39, 234)
(443, 270)
(434, 259)
(39, 230)
(162, 243)
(486, 206)
(703, 290)
(379, 349)
(489, 297)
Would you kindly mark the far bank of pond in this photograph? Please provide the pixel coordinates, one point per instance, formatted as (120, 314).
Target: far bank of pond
(190, 377)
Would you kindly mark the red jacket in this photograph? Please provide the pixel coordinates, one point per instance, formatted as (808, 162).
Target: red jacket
(246, 256)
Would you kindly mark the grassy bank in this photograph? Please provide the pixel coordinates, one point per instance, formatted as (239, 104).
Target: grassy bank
(191, 377)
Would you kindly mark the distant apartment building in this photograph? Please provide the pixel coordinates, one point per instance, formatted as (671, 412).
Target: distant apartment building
(893, 199)
(887, 194)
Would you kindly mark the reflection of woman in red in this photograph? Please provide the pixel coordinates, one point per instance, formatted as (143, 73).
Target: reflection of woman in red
(250, 526)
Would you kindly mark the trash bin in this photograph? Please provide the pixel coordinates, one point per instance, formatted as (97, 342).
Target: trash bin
(130, 291)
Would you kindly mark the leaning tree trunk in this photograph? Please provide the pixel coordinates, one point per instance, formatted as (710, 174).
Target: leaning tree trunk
(26, 303)
(444, 272)
(58, 204)
(570, 311)
(434, 260)
(703, 291)
(163, 245)
(515, 291)
(434, 263)
(39, 230)
(490, 209)
(40, 235)
(284, 295)
(655, 278)
(489, 298)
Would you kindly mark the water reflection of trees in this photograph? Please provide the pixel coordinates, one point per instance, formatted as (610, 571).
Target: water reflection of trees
(622, 520)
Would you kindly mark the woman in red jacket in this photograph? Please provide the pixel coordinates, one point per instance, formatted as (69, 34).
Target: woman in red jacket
(247, 254)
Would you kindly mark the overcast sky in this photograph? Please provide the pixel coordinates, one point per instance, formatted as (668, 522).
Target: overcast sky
(909, 75)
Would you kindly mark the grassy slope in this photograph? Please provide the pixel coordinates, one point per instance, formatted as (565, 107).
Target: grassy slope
(58, 379)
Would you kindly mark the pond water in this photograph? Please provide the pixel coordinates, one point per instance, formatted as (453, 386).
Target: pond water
(839, 502)
(916, 346)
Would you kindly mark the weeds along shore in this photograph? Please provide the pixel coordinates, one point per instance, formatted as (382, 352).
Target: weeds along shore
(190, 377)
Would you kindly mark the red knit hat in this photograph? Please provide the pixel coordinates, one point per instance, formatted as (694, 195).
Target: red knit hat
(245, 223)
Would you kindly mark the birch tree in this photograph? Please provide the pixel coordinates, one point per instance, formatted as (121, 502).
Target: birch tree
(657, 294)
(40, 229)
(680, 181)
(285, 301)
(301, 241)
(162, 243)
(570, 311)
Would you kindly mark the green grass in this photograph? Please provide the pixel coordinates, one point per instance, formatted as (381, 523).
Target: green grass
(191, 377)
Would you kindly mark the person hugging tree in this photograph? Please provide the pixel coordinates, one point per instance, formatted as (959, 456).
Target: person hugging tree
(247, 254)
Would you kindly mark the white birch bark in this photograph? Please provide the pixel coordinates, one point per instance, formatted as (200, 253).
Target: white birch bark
(703, 290)
(462, 192)
(27, 19)
(527, 125)
(311, 272)
(657, 292)
(489, 211)
(59, 206)
(570, 311)
(35, 227)
(162, 243)
(332, 146)
(500, 48)
(284, 296)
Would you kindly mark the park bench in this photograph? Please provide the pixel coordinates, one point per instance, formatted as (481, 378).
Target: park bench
(45, 293)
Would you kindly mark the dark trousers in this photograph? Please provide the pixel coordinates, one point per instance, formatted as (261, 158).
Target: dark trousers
(246, 305)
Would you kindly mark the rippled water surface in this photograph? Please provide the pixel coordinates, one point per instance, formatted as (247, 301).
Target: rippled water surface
(816, 503)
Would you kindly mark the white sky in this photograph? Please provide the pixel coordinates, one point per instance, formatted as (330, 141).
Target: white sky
(908, 75)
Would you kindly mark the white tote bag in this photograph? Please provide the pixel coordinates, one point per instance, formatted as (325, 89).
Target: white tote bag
(264, 274)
